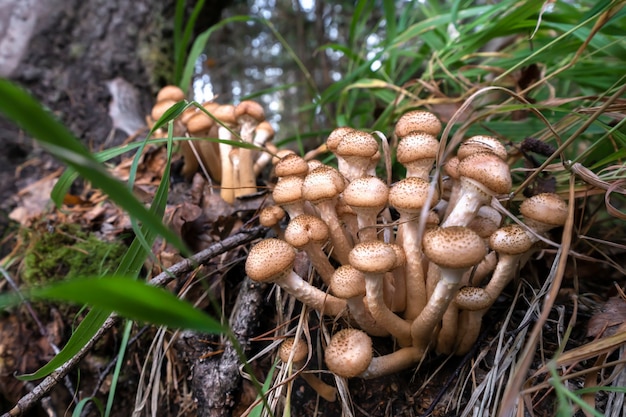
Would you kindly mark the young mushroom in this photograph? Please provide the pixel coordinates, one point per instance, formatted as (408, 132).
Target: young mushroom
(322, 187)
(271, 260)
(408, 196)
(357, 148)
(454, 250)
(418, 121)
(374, 259)
(482, 175)
(299, 352)
(417, 152)
(310, 234)
(367, 196)
(349, 354)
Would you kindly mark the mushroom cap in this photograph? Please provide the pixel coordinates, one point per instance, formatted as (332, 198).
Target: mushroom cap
(250, 109)
(322, 183)
(347, 282)
(357, 143)
(336, 136)
(418, 121)
(481, 143)
(225, 113)
(291, 164)
(547, 208)
(410, 194)
(161, 107)
(373, 257)
(299, 348)
(265, 130)
(400, 255)
(472, 298)
(288, 190)
(451, 167)
(489, 170)
(510, 240)
(271, 215)
(486, 222)
(454, 247)
(171, 92)
(305, 229)
(270, 260)
(417, 146)
(366, 193)
(199, 122)
(349, 353)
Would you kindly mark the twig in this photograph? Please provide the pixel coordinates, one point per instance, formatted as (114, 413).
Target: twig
(186, 265)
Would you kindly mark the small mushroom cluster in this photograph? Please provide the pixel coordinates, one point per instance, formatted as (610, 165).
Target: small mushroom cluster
(406, 260)
(234, 168)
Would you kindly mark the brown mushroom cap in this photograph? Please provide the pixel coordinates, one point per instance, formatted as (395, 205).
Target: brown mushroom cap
(170, 92)
(489, 170)
(199, 122)
(357, 143)
(410, 194)
(269, 260)
(160, 108)
(225, 113)
(454, 247)
(416, 146)
(271, 215)
(472, 299)
(349, 353)
(547, 208)
(323, 183)
(510, 240)
(250, 109)
(366, 194)
(481, 143)
(291, 164)
(347, 282)
(418, 121)
(299, 348)
(373, 257)
(336, 136)
(305, 229)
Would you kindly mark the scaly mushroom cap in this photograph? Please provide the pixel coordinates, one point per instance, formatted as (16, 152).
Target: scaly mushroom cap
(547, 208)
(489, 170)
(299, 348)
(170, 92)
(510, 240)
(451, 167)
(410, 195)
(417, 146)
(454, 247)
(373, 257)
(347, 282)
(418, 121)
(481, 143)
(269, 260)
(271, 215)
(472, 299)
(323, 183)
(336, 136)
(486, 222)
(367, 194)
(349, 353)
(357, 143)
(291, 164)
(288, 190)
(305, 229)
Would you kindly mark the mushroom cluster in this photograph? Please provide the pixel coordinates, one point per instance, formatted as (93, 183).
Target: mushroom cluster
(234, 168)
(406, 260)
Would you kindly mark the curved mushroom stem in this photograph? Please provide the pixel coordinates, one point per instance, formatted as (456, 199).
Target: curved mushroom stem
(397, 361)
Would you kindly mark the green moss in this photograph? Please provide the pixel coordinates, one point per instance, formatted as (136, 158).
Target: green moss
(68, 252)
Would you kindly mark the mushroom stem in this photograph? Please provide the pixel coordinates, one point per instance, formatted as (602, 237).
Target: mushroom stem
(397, 361)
